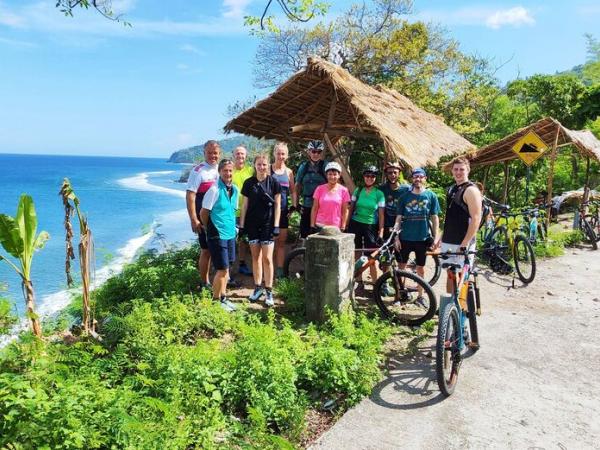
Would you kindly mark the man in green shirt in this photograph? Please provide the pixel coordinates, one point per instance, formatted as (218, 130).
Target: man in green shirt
(241, 172)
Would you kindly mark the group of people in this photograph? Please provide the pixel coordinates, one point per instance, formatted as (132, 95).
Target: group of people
(230, 202)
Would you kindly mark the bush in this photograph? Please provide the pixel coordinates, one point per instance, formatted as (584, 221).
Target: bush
(7, 317)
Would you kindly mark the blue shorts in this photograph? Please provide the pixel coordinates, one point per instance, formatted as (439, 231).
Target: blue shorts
(222, 253)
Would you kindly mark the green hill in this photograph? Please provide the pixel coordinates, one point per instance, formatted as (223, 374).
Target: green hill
(195, 153)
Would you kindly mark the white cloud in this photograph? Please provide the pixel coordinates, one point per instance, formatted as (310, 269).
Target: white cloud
(43, 16)
(235, 8)
(192, 49)
(479, 16)
(516, 17)
(10, 19)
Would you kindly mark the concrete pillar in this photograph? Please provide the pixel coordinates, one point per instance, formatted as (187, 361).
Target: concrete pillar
(329, 273)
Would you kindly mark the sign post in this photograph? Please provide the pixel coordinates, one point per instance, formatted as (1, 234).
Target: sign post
(529, 148)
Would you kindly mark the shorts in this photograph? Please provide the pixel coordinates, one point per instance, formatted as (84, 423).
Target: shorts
(456, 259)
(284, 222)
(222, 253)
(420, 249)
(304, 221)
(260, 235)
(365, 235)
(202, 240)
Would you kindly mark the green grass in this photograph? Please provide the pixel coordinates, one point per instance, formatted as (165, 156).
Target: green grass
(175, 371)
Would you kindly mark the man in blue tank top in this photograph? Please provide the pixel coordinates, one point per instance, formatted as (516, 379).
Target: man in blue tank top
(461, 224)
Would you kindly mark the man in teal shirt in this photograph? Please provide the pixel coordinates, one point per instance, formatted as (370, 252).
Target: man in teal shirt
(415, 209)
(218, 220)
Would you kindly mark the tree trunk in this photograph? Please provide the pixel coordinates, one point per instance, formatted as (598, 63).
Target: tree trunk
(85, 280)
(30, 301)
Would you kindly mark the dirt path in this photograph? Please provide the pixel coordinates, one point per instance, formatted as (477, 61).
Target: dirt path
(535, 383)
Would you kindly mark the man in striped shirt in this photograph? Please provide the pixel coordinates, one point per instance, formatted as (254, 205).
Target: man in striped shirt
(202, 177)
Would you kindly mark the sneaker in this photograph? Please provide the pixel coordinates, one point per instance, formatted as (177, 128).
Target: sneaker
(257, 294)
(420, 301)
(227, 305)
(269, 300)
(244, 270)
(207, 286)
(233, 283)
(387, 291)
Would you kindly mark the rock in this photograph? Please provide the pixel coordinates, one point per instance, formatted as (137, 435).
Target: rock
(550, 293)
(596, 299)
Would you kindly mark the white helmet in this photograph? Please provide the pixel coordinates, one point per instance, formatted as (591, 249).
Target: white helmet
(333, 166)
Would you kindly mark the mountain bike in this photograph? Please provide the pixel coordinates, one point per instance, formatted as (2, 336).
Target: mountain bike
(456, 309)
(293, 265)
(589, 222)
(507, 240)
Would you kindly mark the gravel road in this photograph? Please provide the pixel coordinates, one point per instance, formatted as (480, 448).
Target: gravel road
(535, 383)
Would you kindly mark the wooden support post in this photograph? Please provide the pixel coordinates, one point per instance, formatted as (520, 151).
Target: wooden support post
(505, 192)
(345, 172)
(586, 188)
(551, 175)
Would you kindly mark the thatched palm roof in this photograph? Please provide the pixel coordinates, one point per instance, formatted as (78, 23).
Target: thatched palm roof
(587, 144)
(324, 98)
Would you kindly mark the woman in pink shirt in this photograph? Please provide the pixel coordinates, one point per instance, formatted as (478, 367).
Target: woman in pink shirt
(331, 200)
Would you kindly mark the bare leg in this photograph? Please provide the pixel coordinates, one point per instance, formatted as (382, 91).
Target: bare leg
(257, 269)
(267, 264)
(220, 283)
(421, 273)
(280, 248)
(203, 265)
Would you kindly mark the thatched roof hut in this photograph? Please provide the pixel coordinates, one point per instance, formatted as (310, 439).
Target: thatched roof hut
(324, 100)
(550, 130)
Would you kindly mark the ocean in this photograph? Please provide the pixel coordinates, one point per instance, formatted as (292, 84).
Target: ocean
(131, 204)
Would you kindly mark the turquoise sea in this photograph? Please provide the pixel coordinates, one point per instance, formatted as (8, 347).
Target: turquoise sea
(131, 203)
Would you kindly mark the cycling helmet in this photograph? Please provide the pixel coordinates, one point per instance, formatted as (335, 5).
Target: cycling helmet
(333, 166)
(315, 145)
(393, 165)
(370, 169)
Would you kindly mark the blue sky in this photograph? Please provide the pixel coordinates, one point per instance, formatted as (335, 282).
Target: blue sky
(88, 86)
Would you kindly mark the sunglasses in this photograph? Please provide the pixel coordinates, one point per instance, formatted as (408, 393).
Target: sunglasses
(369, 175)
(419, 176)
(316, 151)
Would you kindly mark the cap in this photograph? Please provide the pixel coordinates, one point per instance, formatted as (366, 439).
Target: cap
(333, 166)
(419, 171)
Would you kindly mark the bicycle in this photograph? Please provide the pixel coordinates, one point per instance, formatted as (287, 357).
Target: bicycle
(396, 292)
(589, 223)
(453, 336)
(506, 240)
(293, 265)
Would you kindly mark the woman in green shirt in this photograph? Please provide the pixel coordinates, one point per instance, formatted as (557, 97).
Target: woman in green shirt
(368, 206)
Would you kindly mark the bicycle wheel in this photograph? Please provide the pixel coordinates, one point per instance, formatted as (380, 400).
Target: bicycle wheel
(447, 351)
(496, 251)
(472, 315)
(433, 269)
(293, 264)
(589, 233)
(524, 259)
(397, 296)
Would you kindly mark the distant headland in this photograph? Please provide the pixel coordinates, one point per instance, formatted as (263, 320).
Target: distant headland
(196, 152)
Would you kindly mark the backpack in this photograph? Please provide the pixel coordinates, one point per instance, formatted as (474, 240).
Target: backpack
(304, 168)
(455, 193)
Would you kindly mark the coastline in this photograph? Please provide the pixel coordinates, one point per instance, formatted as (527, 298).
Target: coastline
(51, 305)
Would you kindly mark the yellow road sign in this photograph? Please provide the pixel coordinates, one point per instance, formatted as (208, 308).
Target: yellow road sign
(529, 148)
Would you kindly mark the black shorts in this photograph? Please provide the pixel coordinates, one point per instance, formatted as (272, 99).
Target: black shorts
(202, 240)
(304, 221)
(222, 253)
(365, 235)
(284, 222)
(262, 234)
(420, 249)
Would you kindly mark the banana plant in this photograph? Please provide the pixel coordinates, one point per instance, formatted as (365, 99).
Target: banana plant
(86, 245)
(18, 236)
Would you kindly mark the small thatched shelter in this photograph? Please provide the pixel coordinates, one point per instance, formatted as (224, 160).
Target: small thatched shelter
(324, 101)
(553, 133)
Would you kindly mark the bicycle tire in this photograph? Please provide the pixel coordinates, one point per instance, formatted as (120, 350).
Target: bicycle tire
(437, 269)
(293, 264)
(523, 253)
(472, 315)
(397, 300)
(447, 351)
(496, 251)
(589, 233)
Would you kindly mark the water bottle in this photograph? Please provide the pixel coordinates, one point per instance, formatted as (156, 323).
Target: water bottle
(360, 262)
(533, 228)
